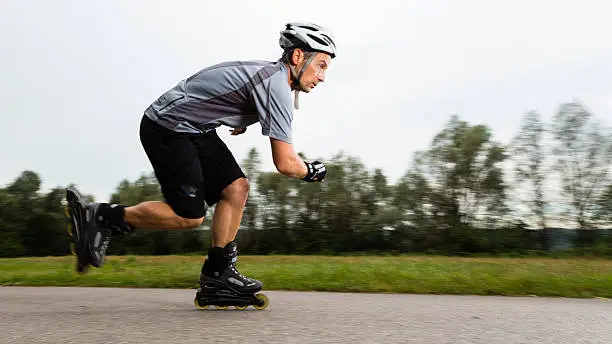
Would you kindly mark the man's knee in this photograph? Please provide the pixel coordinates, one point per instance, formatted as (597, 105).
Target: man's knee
(237, 191)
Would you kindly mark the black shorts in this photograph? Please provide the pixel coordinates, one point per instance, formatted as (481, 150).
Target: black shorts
(191, 168)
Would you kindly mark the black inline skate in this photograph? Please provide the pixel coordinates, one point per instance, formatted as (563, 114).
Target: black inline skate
(89, 240)
(221, 285)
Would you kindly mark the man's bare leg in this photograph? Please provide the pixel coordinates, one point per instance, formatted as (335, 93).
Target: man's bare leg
(157, 215)
(219, 275)
(225, 224)
(226, 219)
(228, 213)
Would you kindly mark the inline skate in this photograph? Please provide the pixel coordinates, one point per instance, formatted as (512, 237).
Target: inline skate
(221, 285)
(89, 240)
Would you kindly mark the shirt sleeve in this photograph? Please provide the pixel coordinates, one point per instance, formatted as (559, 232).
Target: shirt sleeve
(272, 99)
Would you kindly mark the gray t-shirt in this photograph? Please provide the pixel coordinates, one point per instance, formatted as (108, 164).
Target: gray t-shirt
(236, 94)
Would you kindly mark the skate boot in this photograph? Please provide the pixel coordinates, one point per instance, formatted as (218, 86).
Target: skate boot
(222, 285)
(90, 237)
(111, 216)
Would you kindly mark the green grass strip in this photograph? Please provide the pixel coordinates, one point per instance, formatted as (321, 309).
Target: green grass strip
(576, 277)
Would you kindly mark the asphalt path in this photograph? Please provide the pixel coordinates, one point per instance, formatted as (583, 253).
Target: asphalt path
(61, 315)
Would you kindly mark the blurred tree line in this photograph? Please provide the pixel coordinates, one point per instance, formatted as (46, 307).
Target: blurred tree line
(466, 194)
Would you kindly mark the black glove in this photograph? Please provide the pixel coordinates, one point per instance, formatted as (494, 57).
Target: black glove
(316, 171)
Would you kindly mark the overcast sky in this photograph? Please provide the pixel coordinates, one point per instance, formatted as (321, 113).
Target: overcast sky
(75, 76)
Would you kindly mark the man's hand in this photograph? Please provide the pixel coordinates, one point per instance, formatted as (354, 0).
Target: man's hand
(316, 171)
(238, 131)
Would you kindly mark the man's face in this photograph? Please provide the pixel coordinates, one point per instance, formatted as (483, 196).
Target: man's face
(314, 72)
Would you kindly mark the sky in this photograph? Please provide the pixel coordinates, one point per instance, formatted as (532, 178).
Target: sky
(76, 76)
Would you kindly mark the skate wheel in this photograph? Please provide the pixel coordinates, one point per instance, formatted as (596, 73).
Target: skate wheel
(221, 307)
(72, 249)
(241, 308)
(197, 304)
(262, 298)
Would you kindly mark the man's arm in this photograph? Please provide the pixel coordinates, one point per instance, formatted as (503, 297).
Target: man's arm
(287, 162)
(291, 165)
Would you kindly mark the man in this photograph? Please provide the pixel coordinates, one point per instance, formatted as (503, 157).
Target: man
(193, 165)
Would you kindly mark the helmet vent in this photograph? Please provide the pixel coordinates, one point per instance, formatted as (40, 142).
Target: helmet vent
(329, 40)
(308, 27)
(318, 40)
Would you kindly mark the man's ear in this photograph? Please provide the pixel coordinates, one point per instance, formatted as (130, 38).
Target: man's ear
(297, 56)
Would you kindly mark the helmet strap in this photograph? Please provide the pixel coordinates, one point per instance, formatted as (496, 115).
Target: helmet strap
(306, 63)
(296, 100)
(296, 79)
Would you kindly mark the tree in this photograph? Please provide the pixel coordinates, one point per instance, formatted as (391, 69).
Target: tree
(584, 156)
(412, 199)
(462, 169)
(26, 186)
(604, 206)
(24, 191)
(32, 223)
(529, 155)
(145, 188)
(11, 226)
(278, 213)
(252, 169)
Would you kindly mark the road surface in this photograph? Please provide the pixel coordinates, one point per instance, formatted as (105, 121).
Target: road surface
(65, 315)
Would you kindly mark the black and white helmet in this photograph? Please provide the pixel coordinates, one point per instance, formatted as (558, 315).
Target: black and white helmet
(307, 36)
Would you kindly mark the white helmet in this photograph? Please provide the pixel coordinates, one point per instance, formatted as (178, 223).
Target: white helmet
(307, 36)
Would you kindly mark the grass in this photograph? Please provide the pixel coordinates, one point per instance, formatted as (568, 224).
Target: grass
(575, 277)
